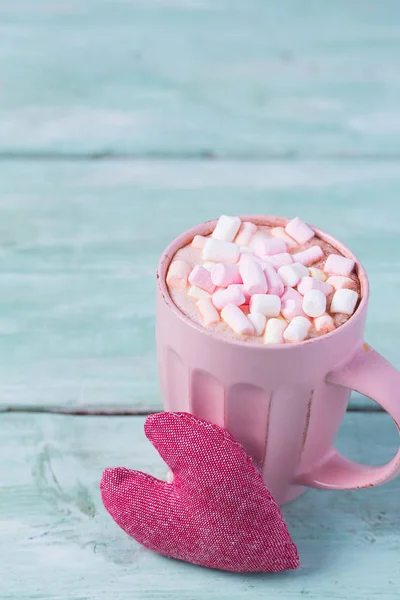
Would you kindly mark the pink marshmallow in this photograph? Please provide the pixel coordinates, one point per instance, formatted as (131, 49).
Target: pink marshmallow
(246, 232)
(269, 246)
(310, 283)
(338, 265)
(299, 231)
(177, 276)
(201, 278)
(279, 232)
(309, 256)
(279, 260)
(237, 320)
(223, 275)
(292, 304)
(253, 277)
(231, 295)
(274, 282)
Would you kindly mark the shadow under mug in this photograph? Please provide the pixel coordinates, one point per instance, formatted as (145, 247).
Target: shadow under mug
(284, 403)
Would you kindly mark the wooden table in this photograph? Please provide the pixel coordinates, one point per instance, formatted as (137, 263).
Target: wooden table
(121, 124)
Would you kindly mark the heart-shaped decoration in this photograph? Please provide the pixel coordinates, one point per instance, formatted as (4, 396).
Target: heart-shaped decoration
(216, 512)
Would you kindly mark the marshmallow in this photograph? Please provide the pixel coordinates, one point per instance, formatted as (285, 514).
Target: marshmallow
(209, 265)
(245, 250)
(274, 330)
(310, 283)
(339, 282)
(177, 275)
(258, 321)
(266, 304)
(309, 256)
(314, 303)
(279, 232)
(344, 301)
(253, 277)
(279, 260)
(297, 330)
(231, 295)
(246, 232)
(291, 304)
(269, 246)
(324, 324)
(208, 312)
(291, 274)
(236, 320)
(300, 269)
(274, 282)
(198, 241)
(223, 275)
(317, 274)
(338, 265)
(259, 235)
(240, 286)
(220, 251)
(201, 278)
(299, 231)
(226, 228)
(198, 293)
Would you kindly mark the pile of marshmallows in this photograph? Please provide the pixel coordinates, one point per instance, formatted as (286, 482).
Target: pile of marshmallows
(244, 266)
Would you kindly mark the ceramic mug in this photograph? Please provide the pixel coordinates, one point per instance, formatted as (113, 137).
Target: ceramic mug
(284, 403)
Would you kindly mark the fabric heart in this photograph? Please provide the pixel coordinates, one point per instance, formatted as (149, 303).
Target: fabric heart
(216, 512)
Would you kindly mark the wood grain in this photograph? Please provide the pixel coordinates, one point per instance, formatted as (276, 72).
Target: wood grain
(200, 77)
(79, 246)
(57, 541)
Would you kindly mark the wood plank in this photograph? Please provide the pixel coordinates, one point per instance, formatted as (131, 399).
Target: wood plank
(79, 246)
(175, 77)
(59, 542)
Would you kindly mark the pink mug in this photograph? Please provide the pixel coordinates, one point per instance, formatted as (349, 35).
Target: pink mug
(284, 403)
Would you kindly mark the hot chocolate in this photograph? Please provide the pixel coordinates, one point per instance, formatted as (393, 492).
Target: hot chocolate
(263, 284)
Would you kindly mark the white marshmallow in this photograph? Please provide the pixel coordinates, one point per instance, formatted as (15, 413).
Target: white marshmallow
(198, 293)
(220, 251)
(208, 311)
(209, 265)
(297, 330)
(317, 273)
(237, 320)
(291, 274)
(258, 321)
(198, 241)
(266, 304)
(178, 272)
(300, 269)
(314, 303)
(226, 228)
(246, 232)
(344, 301)
(274, 331)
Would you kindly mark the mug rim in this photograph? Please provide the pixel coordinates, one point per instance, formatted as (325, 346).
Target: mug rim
(207, 227)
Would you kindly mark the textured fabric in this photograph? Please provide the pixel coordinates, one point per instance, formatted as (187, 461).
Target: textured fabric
(216, 512)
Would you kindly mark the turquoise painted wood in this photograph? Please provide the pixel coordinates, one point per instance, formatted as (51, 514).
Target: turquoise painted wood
(80, 244)
(57, 541)
(181, 77)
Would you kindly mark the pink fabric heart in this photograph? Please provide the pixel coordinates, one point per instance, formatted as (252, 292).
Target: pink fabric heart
(216, 512)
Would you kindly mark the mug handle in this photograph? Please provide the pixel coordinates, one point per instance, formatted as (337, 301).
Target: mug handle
(370, 374)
